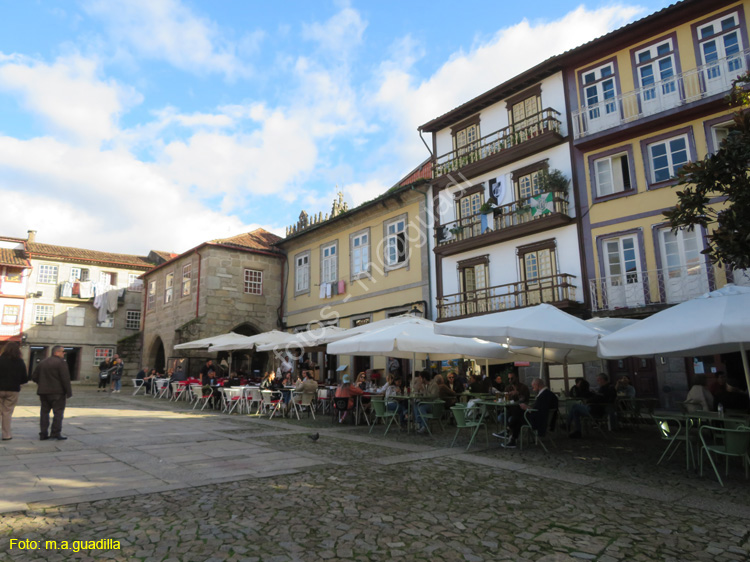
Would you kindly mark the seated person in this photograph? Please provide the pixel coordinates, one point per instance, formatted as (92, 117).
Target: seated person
(444, 393)
(454, 384)
(390, 389)
(624, 388)
(347, 390)
(233, 380)
(517, 391)
(362, 381)
(476, 386)
(307, 384)
(431, 392)
(498, 385)
(598, 404)
(545, 402)
(146, 378)
(582, 389)
(699, 398)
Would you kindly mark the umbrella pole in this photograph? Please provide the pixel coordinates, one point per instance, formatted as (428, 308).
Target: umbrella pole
(541, 365)
(745, 365)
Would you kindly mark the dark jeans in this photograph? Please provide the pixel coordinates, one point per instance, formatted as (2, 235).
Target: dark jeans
(56, 403)
(103, 382)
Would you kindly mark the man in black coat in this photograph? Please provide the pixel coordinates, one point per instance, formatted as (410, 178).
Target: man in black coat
(545, 402)
(53, 387)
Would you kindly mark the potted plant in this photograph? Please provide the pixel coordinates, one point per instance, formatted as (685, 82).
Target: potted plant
(486, 208)
(553, 180)
(456, 230)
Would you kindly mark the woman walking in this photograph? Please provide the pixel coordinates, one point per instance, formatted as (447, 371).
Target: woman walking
(12, 376)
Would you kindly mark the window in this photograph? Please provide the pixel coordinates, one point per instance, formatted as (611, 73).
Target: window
(328, 263)
(302, 273)
(466, 135)
(47, 274)
(108, 278)
(599, 91)
(720, 45)
(13, 275)
(43, 314)
(79, 274)
(133, 320)
(396, 251)
(151, 295)
(75, 316)
(612, 174)
(655, 68)
(109, 322)
(667, 157)
(11, 313)
(538, 271)
(186, 277)
(473, 279)
(103, 354)
(527, 180)
(359, 244)
(717, 134)
(468, 206)
(168, 287)
(253, 282)
(134, 284)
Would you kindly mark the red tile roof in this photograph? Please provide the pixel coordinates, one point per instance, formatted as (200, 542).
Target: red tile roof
(259, 239)
(66, 253)
(13, 257)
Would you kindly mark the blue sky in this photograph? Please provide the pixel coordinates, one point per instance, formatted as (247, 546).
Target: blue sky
(130, 125)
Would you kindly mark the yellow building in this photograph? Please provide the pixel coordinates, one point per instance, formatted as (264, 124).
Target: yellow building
(359, 266)
(645, 100)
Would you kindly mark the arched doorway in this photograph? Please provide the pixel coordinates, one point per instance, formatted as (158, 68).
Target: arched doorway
(247, 363)
(156, 356)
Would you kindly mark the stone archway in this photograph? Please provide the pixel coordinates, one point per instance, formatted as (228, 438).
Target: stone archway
(156, 356)
(247, 363)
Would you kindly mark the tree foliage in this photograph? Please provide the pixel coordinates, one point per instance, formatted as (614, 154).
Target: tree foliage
(722, 176)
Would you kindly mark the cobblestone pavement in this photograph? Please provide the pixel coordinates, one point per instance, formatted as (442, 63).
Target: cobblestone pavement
(172, 484)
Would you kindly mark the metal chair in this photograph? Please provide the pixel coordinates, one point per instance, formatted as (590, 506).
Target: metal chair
(253, 396)
(303, 400)
(381, 412)
(271, 402)
(727, 441)
(341, 406)
(162, 388)
(437, 409)
(460, 414)
(232, 399)
(674, 432)
(139, 385)
(199, 397)
(527, 427)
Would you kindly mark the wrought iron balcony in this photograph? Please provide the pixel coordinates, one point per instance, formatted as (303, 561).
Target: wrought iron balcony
(529, 210)
(537, 125)
(681, 89)
(557, 289)
(640, 289)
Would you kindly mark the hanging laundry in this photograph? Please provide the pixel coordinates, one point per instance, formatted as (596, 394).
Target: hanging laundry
(87, 289)
(77, 289)
(112, 299)
(342, 287)
(322, 291)
(328, 290)
(67, 289)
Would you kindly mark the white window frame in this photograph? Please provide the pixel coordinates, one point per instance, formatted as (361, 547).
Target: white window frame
(302, 273)
(108, 277)
(135, 284)
(603, 169)
(133, 320)
(44, 314)
(392, 230)
(79, 274)
(187, 276)
(661, 78)
(329, 262)
(716, 139)
(720, 44)
(108, 353)
(359, 253)
(7, 314)
(252, 282)
(75, 316)
(168, 287)
(671, 166)
(598, 86)
(151, 297)
(109, 322)
(47, 274)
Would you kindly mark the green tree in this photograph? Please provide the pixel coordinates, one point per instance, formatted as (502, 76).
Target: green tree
(724, 176)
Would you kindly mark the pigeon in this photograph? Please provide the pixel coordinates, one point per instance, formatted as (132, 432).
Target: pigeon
(314, 437)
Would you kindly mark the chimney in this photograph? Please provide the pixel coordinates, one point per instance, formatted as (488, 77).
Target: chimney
(32, 236)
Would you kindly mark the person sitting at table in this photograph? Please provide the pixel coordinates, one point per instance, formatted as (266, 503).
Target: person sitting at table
(624, 388)
(148, 379)
(476, 386)
(444, 393)
(361, 381)
(581, 390)
(419, 383)
(699, 398)
(233, 380)
(390, 390)
(347, 390)
(286, 379)
(517, 391)
(307, 385)
(265, 383)
(431, 392)
(498, 385)
(545, 402)
(453, 383)
(599, 404)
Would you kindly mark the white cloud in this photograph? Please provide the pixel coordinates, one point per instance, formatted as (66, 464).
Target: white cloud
(340, 34)
(68, 95)
(168, 30)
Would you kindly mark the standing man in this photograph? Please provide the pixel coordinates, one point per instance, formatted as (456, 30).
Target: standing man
(53, 380)
(116, 374)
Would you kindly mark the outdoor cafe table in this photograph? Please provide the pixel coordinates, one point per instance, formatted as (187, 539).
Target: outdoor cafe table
(487, 405)
(411, 406)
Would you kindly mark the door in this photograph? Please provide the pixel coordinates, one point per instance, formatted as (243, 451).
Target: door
(684, 273)
(641, 372)
(468, 214)
(36, 355)
(72, 358)
(600, 99)
(656, 76)
(723, 61)
(539, 269)
(474, 288)
(624, 278)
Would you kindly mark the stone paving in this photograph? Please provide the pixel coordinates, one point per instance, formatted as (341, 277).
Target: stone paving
(168, 483)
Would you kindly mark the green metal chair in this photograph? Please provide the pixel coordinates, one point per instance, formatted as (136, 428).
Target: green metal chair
(674, 431)
(437, 408)
(382, 413)
(538, 438)
(460, 415)
(727, 441)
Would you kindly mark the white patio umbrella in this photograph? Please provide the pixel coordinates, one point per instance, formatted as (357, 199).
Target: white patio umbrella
(717, 322)
(373, 326)
(206, 343)
(300, 340)
(543, 326)
(249, 342)
(567, 355)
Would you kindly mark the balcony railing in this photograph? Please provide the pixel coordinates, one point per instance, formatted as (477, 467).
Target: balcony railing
(494, 143)
(535, 208)
(680, 89)
(639, 289)
(558, 288)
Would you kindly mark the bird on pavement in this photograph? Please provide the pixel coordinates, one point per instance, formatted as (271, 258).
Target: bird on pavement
(314, 437)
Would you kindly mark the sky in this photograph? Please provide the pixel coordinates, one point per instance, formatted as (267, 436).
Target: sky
(132, 125)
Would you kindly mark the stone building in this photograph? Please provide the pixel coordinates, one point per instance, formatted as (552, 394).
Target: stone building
(61, 309)
(225, 285)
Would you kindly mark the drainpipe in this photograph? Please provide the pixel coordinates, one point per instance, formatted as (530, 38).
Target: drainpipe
(198, 288)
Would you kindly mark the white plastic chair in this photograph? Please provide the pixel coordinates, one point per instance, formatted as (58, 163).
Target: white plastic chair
(139, 384)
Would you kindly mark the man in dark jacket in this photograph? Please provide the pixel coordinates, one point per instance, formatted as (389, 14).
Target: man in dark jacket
(600, 404)
(53, 380)
(545, 402)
